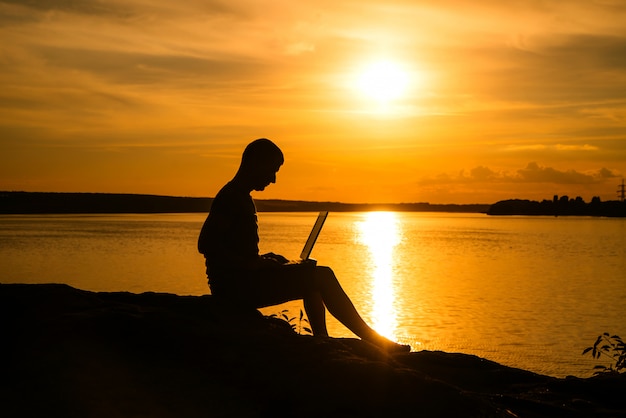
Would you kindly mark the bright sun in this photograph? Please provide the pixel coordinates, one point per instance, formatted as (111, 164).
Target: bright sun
(382, 81)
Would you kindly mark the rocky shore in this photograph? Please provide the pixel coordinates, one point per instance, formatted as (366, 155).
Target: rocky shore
(72, 353)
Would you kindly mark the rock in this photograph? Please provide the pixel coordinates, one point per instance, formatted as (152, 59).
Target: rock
(73, 353)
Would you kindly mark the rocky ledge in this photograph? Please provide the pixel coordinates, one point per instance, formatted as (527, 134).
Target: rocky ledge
(72, 353)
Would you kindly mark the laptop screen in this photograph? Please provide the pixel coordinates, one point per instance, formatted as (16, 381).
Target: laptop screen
(315, 232)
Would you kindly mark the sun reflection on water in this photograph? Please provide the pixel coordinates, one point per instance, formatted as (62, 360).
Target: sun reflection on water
(379, 231)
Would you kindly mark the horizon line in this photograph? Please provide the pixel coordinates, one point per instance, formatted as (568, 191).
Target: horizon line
(256, 199)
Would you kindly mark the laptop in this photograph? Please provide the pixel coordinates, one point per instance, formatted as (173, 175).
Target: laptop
(310, 242)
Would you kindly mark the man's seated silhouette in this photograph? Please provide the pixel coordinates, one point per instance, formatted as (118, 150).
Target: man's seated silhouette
(239, 275)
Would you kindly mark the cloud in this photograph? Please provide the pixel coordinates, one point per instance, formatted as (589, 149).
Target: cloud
(526, 147)
(121, 67)
(578, 69)
(481, 173)
(122, 9)
(532, 173)
(585, 147)
(615, 112)
(605, 173)
(555, 147)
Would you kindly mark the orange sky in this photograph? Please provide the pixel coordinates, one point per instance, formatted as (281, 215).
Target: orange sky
(516, 99)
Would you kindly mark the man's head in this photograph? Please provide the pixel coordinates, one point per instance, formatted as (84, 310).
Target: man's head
(260, 162)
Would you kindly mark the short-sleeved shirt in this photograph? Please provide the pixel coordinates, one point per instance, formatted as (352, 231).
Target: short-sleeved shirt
(229, 238)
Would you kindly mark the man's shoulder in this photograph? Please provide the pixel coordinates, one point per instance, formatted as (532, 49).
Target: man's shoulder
(231, 197)
(232, 189)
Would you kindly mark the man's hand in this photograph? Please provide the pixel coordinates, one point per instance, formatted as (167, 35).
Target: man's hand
(275, 257)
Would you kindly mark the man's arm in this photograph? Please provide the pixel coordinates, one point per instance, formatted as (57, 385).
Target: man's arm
(275, 257)
(214, 226)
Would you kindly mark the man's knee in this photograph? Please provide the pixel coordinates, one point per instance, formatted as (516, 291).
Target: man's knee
(324, 276)
(324, 271)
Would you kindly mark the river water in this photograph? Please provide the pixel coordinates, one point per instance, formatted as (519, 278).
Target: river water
(527, 292)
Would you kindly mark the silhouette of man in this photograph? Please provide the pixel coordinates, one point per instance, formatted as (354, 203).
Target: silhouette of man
(238, 274)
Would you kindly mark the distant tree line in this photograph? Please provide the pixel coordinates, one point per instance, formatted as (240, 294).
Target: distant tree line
(559, 206)
(75, 203)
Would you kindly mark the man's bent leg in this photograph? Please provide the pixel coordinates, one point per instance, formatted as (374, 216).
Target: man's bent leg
(338, 303)
(342, 308)
(316, 313)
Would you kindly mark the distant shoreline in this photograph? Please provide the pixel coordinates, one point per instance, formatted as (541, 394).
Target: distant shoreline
(563, 206)
(24, 203)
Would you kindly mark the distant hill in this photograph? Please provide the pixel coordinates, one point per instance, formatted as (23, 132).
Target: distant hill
(39, 203)
(68, 203)
(562, 206)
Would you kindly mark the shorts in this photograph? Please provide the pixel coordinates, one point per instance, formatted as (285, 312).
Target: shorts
(263, 287)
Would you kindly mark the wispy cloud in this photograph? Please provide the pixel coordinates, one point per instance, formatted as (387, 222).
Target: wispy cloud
(555, 147)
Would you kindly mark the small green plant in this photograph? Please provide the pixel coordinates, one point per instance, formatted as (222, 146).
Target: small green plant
(301, 326)
(611, 346)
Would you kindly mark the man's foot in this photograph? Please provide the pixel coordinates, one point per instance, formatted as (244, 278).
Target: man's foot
(389, 346)
(396, 348)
